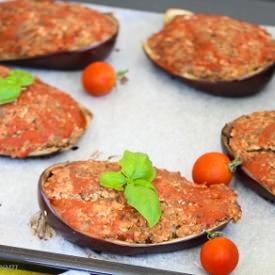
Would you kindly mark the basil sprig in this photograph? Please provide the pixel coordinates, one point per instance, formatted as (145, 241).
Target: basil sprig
(12, 85)
(135, 179)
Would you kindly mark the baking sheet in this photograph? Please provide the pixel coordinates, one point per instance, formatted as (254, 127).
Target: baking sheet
(55, 263)
(151, 113)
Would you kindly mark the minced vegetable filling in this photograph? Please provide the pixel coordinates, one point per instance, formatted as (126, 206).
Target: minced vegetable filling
(34, 28)
(76, 195)
(42, 117)
(252, 138)
(211, 47)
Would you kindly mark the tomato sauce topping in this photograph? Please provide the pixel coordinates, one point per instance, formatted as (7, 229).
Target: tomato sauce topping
(41, 117)
(253, 132)
(252, 139)
(74, 192)
(212, 47)
(261, 166)
(34, 28)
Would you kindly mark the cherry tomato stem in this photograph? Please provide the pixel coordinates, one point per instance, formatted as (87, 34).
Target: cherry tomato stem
(212, 235)
(121, 73)
(232, 165)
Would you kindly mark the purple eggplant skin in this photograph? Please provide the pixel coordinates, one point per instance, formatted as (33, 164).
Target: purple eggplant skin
(235, 88)
(249, 180)
(239, 87)
(69, 60)
(115, 247)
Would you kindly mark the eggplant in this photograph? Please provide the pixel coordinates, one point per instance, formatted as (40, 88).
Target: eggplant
(246, 177)
(244, 85)
(69, 60)
(31, 135)
(63, 58)
(116, 246)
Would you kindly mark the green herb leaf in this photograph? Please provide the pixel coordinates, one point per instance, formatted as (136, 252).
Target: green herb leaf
(136, 177)
(22, 78)
(113, 180)
(144, 183)
(137, 166)
(145, 201)
(8, 92)
(12, 85)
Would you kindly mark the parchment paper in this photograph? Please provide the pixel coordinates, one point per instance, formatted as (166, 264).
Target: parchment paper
(152, 113)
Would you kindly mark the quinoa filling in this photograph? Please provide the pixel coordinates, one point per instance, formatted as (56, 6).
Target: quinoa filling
(35, 28)
(40, 119)
(75, 194)
(211, 47)
(252, 139)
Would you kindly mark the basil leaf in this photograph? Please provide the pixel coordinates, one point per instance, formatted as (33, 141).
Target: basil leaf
(12, 85)
(137, 166)
(113, 180)
(8, 92)
(20, 78)
(135, 176)
(145, 201)
(144, 183)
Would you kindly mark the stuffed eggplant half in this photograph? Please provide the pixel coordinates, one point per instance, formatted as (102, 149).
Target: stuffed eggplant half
(40, 120)
(90, 215)
(54, 35)
(250, 138)
(213, 53)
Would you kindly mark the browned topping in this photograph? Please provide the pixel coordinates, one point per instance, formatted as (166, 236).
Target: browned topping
(211, 47)
(34, 28)
(252, 138)
(42, 118)
(74, 192)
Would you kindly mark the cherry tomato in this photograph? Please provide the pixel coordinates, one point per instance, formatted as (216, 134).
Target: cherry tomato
(219, 256)
(212, 168)
(99, 78)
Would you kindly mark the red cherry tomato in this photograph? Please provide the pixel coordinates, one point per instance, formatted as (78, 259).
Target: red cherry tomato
(219, 256)
(99, 78)
(212, 168)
